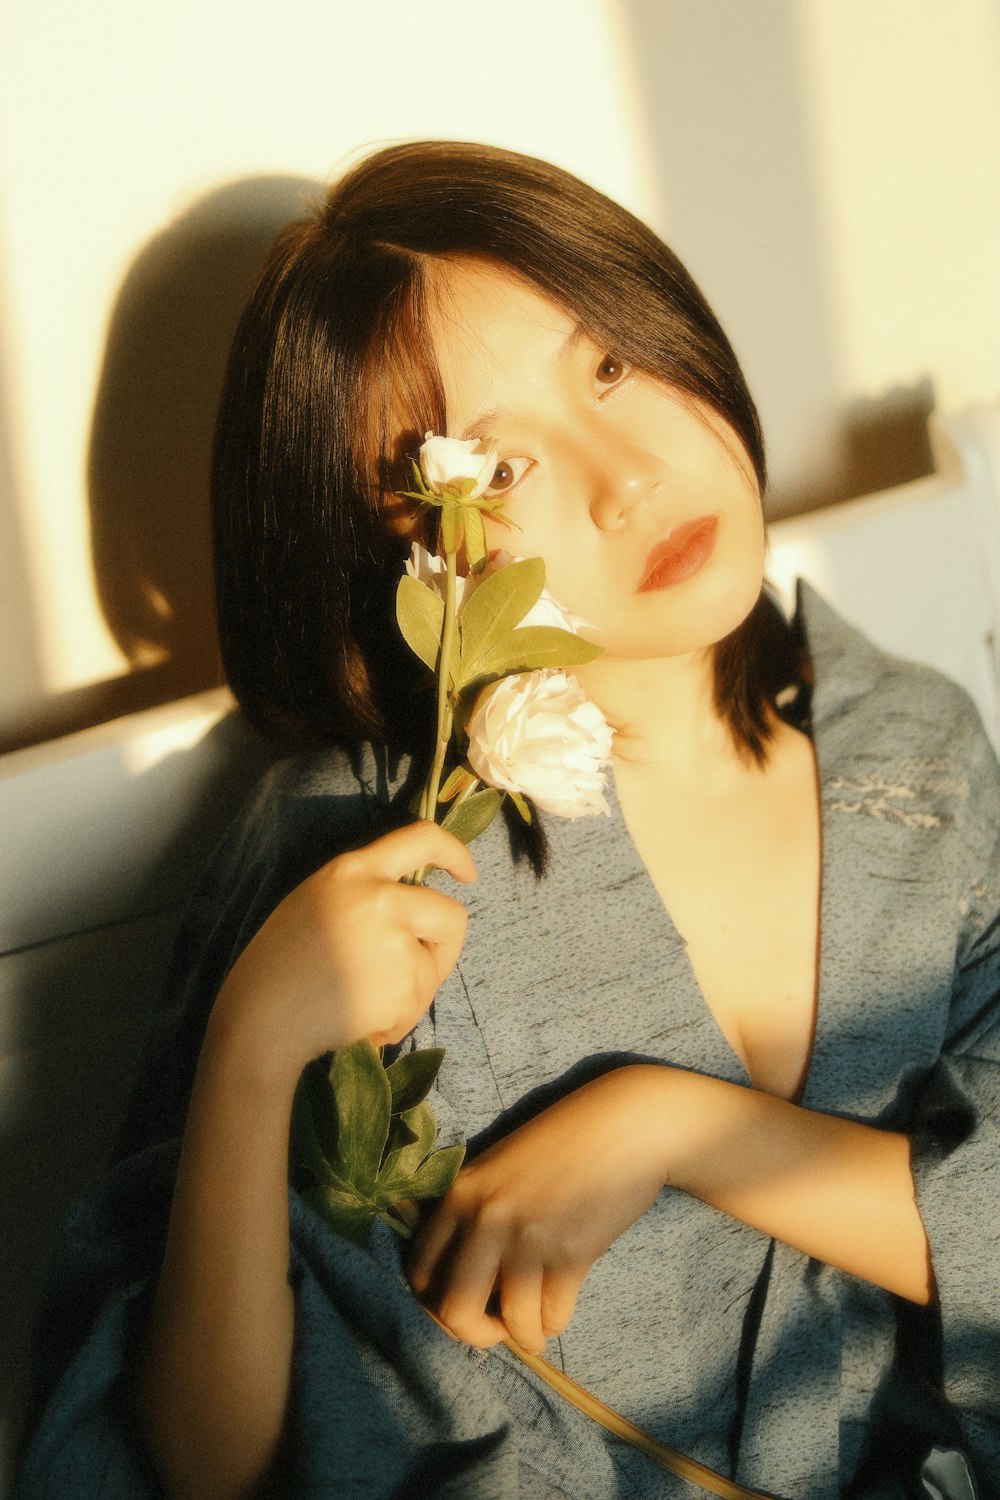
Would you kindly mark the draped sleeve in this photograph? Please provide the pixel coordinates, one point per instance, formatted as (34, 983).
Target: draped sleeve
(956, 1124)
(384, 1403)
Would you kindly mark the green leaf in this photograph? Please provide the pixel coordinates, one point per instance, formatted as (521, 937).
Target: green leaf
(400, 1165)
(393, 1217)
(345, 1212)
(420, 612)
(475, 537)
(400, 1135)
(498, 605)
(460, 778)
(437, 1174)
(380, 1130)
(411, 1077)
(452, 526)
(364, 1099)
(534, 647)
(314, 1126)
(521, 805)
(468, 819)
(314, 1106)
(418, 479)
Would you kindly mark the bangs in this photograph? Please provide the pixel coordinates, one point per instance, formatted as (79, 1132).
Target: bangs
(399, 394)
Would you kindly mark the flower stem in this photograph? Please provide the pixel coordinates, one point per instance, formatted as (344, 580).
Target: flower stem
(445, 716)
(444, 710)
(613, 1421)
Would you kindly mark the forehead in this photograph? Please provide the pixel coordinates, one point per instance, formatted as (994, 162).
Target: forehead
(497, 340)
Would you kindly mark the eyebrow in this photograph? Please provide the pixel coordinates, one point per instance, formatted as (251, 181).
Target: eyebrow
(487, 418)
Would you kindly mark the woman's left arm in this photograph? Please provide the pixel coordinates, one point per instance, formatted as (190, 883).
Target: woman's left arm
(836, 1189)
(528, 1218)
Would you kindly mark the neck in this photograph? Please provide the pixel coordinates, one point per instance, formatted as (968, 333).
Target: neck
(663, 713)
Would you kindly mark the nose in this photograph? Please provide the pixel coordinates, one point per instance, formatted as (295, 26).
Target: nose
(625, 476)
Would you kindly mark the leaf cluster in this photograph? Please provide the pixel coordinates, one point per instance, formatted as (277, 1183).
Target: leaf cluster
(491, 642)
(365, 1134)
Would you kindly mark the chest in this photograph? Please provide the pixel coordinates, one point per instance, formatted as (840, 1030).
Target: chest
(591, 967)
(741, 880)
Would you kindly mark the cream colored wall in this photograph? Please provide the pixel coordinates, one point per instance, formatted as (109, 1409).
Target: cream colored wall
(827, 167)
(906, 122)
(830, 169)
(121, 122)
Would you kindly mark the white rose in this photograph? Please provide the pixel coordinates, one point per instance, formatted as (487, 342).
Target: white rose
(428, 568)
(538, 734)
(445, 462)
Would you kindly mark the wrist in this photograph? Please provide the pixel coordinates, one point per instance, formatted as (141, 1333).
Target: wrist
(652, 1104)
(244, 1049)
(696, 1116)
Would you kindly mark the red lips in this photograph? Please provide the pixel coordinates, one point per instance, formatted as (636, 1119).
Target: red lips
(680, 555)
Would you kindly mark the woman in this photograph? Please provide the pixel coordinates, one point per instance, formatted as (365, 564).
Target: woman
(766, 985)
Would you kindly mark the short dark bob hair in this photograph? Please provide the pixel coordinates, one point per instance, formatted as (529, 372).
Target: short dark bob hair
(333, 347)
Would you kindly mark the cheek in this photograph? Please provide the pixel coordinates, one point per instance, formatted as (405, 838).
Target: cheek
(528, 535)
(574, 576)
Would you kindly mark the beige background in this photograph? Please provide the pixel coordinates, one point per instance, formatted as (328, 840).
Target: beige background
(828, 168)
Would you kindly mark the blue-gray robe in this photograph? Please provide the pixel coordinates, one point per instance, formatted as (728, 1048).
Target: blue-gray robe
(800, 1380)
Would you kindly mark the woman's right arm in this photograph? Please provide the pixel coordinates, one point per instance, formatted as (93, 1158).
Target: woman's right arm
(351, 952)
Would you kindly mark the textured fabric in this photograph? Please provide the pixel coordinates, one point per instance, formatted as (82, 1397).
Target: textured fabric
(800, 1380)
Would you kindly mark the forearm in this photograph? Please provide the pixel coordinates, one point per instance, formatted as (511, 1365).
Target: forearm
(352, 951)
(216, 1376)
(837, 1190)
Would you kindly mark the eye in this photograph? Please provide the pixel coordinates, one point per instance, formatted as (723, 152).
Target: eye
(507, 475)
(610, 372)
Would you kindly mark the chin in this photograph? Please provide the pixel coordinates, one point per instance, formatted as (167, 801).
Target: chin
(698, 618)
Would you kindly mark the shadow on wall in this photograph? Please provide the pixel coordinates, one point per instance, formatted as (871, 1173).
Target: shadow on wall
(150, 448)
(724, 100)
(879, 444)
(154, 418)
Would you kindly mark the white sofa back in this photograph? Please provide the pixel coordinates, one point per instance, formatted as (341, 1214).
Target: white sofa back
(100, 835)
(918, 567)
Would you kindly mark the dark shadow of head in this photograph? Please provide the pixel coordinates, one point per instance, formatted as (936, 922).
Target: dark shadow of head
(151, 440)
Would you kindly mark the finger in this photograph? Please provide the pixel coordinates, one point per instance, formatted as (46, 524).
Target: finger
(397, 854)
(498, 1330)
(427, 974)
(429, 1249)
(430, 915)
(560, 1290)
(481, 1330)
(468, 1277)
(437, 922)
(521, 1282)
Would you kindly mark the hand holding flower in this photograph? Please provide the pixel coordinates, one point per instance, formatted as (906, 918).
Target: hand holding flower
(351, 952)
(498, 645)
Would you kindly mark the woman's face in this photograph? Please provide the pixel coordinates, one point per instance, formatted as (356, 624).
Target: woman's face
(641, 501)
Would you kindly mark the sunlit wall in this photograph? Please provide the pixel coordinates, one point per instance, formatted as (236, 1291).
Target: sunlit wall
(827, 167)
